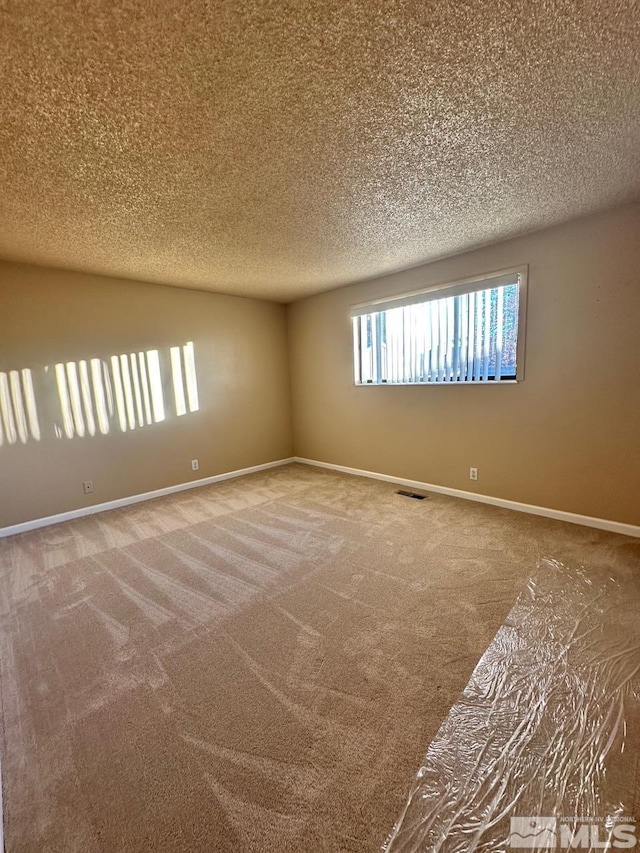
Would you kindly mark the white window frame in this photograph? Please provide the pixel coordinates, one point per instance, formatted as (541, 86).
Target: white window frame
(459, 287)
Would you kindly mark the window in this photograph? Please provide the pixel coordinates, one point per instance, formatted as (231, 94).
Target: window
(465, 331)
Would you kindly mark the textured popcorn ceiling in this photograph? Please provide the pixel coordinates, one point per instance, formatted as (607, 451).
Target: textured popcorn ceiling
(277, 149)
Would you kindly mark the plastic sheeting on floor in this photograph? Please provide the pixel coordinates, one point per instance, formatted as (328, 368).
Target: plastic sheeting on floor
(541, 750)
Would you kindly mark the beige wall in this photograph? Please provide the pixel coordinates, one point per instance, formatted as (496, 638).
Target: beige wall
(49, 316)
(567, 437)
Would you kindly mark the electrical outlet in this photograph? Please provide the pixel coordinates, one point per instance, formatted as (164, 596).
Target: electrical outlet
(473, 473)
(195, 465)
(87, 487)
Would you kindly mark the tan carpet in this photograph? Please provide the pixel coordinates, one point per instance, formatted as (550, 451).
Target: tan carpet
(256, 665)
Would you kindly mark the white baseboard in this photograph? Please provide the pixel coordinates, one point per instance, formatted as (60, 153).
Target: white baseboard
(134, 499)
(558, 514)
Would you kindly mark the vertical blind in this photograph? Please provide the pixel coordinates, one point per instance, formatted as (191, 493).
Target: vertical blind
(458, 333)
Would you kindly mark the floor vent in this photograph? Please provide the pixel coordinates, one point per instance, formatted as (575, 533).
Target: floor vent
(414, 495)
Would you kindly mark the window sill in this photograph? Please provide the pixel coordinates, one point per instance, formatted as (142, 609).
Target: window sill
(488, 383)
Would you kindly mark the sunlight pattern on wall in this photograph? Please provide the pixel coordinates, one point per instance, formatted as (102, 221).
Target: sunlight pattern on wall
(18, 410)
(94, 396)
(183, 367)
(136, 383)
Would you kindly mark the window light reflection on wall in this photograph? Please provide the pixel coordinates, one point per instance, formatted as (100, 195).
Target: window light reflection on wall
(18, 410)
(127, 387)
(178, 387)
(183, 371)
(93, 395)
